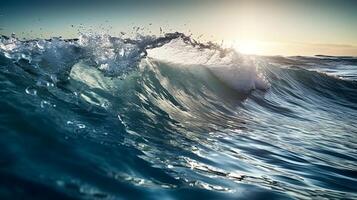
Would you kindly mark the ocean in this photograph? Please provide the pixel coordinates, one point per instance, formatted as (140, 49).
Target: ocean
(104, 117)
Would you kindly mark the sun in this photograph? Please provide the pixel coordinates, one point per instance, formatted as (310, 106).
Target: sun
(251, 47)
(248, 47)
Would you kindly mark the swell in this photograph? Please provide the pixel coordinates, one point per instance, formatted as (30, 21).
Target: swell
(320, 87)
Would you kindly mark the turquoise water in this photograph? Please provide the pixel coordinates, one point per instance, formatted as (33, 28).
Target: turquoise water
(101, 117)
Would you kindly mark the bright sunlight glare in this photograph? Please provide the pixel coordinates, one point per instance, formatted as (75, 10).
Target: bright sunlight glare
(246, 46)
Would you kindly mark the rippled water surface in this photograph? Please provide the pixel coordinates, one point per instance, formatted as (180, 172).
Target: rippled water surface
(101, 117)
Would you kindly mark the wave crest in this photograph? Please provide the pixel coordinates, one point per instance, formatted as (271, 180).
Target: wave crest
(118, 56)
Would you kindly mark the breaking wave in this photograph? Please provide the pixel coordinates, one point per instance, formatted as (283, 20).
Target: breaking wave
(103, 117)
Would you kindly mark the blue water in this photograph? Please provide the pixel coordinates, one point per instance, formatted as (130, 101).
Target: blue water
(101, 117)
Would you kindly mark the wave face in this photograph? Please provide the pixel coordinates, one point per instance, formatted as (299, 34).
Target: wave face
(102, 117)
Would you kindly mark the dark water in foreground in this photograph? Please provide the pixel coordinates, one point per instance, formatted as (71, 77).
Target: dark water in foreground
(104, 118)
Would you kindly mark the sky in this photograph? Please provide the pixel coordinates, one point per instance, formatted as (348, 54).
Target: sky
(264, 27)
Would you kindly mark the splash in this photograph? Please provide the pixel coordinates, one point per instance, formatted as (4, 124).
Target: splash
(53, 58)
